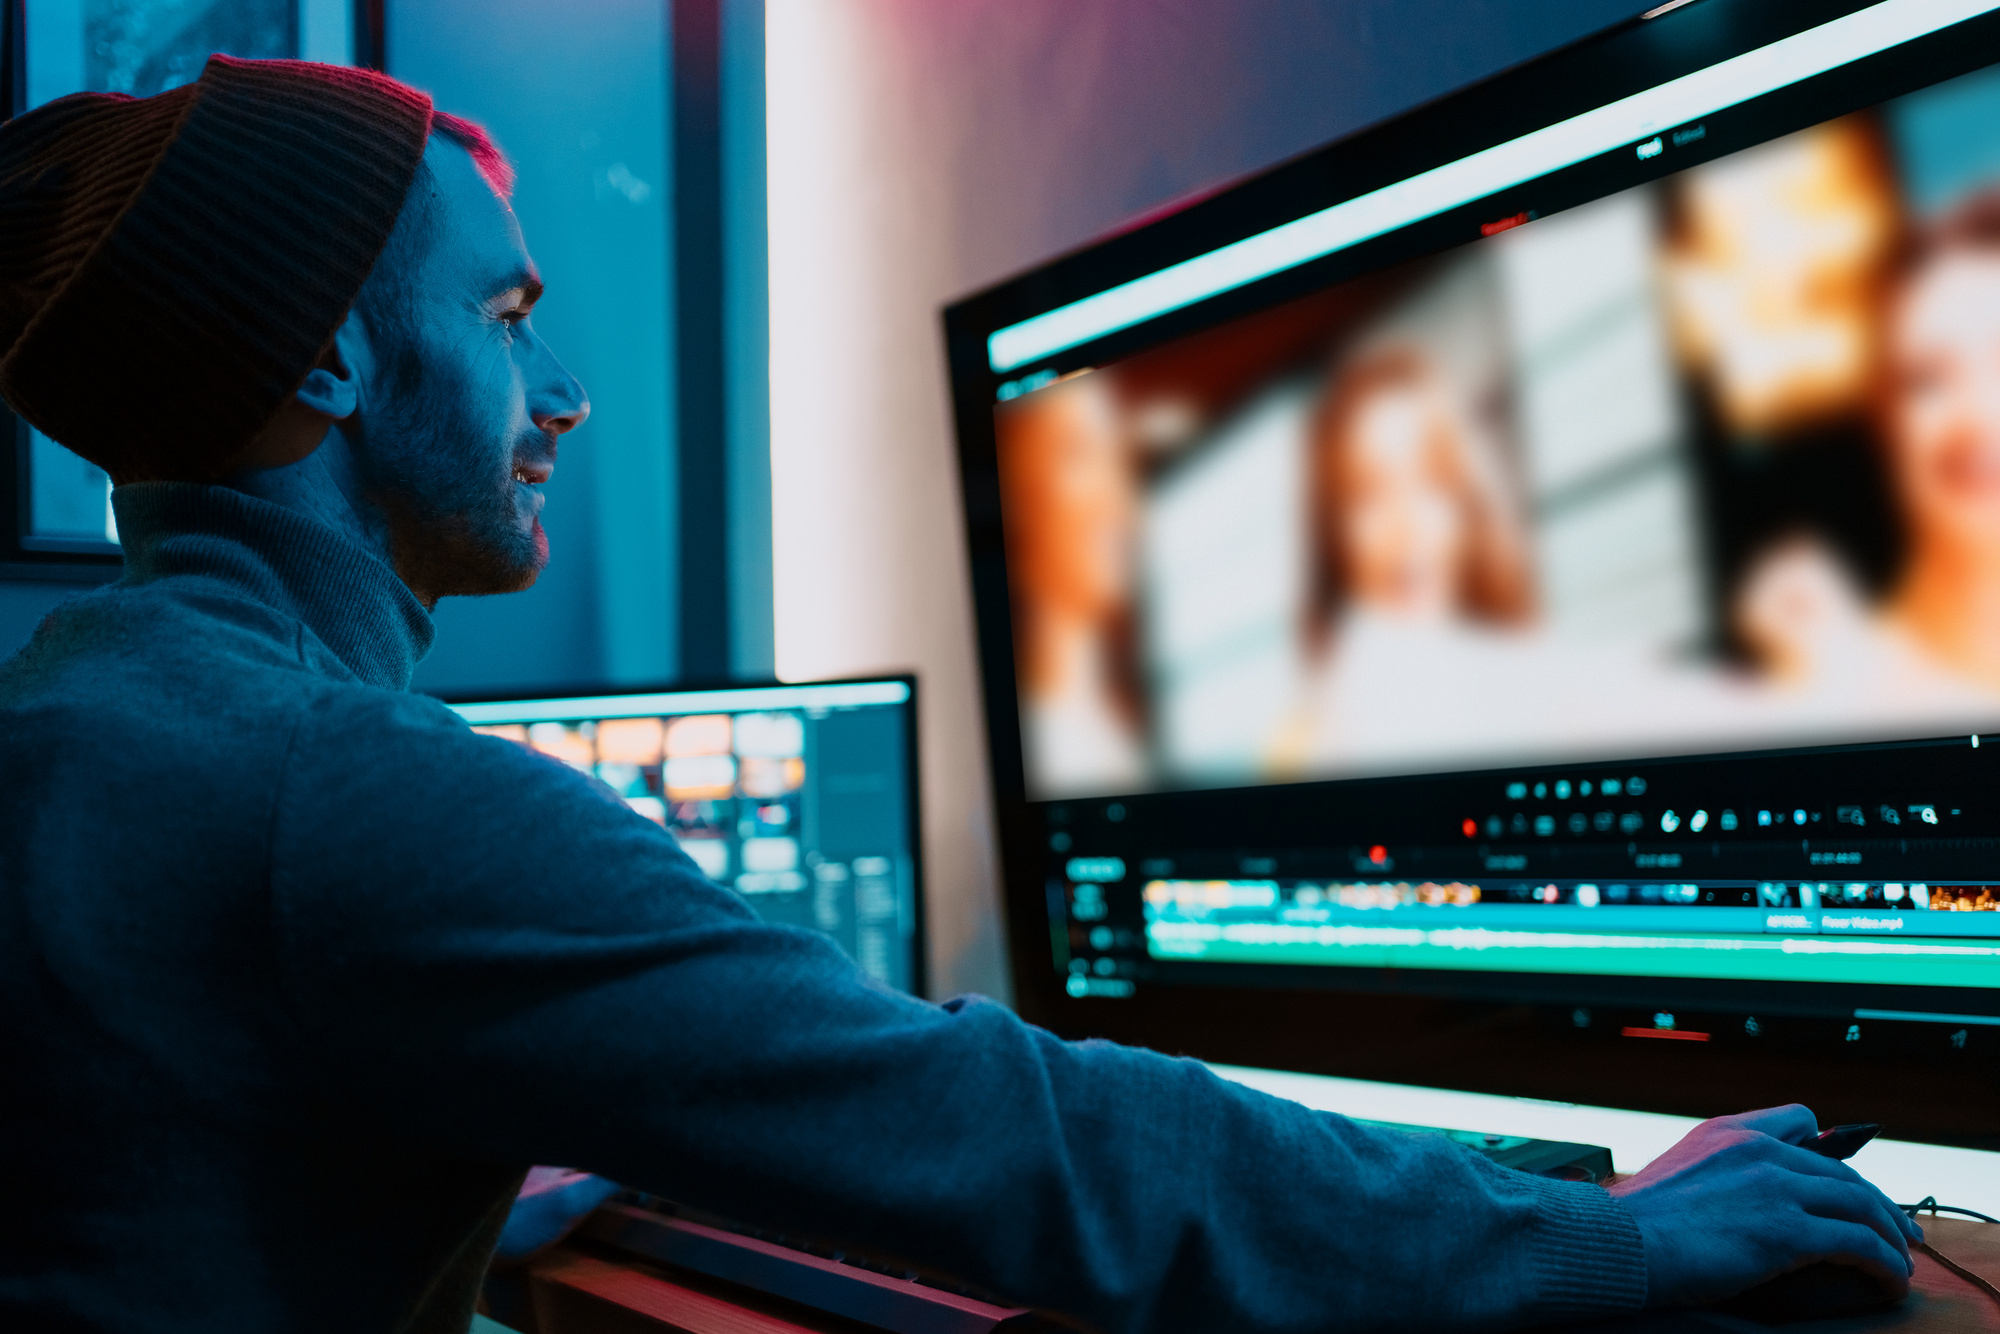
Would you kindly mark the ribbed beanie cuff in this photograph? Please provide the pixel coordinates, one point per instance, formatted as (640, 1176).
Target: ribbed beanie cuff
(171, 267)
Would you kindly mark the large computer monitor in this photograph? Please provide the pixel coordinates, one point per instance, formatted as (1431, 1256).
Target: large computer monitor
(802, 798)
(1513, 597)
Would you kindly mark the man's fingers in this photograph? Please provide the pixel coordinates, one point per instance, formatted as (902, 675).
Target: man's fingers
(1913, 1232)
(1790, 1123)
(1851, 1244)
(1807, 1163)
(1857, 1203)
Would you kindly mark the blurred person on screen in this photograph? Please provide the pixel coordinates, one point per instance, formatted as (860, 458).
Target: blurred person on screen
(1934, 637)
(1066, 477)
(1771, 276)
(1413, 517)
(1419, 560)
(1941, 424)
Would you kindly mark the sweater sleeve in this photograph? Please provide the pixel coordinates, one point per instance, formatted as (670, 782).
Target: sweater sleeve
(490, 954)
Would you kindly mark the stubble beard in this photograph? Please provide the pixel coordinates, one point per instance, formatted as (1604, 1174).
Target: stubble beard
(449, 493)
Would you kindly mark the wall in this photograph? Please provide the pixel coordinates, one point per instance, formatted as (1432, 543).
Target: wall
(746, 354)
(581, 108)
(920, 150)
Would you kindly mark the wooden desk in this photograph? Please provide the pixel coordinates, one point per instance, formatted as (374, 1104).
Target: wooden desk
(573, 1292)
(628, 1269)
(1940, 1302)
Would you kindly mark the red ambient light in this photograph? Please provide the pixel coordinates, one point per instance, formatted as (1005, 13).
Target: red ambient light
(1677, 1034)
(1504, 224)
(1378, 854)
(1471, 827)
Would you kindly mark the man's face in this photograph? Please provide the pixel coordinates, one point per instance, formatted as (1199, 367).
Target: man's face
(462, 411)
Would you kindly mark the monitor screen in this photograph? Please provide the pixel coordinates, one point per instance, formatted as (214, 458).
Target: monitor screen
(1548, 545)
(1704, 464)
(802, 798)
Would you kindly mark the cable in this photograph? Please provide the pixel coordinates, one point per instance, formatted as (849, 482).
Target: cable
(1958, 1269)
(1929, 1202)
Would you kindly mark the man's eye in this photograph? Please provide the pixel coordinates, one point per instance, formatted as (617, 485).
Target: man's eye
(513, 317)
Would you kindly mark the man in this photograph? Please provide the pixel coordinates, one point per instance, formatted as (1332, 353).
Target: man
(297, 974)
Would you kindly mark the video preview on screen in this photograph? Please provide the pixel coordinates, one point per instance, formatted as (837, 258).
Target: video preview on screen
(1710, 464)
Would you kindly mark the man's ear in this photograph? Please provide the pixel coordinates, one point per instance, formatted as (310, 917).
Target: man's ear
(331, 392)
(333, 387)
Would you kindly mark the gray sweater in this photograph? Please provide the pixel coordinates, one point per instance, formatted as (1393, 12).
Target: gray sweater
(297, 974)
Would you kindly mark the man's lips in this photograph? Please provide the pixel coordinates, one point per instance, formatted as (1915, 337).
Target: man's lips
(529, 476)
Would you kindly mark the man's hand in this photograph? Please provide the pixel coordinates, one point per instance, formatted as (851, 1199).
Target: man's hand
(1737, 1202)
(552, 1201)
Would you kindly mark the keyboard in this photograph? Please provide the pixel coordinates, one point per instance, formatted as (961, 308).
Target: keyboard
(879, 1297)
(1543, 1157)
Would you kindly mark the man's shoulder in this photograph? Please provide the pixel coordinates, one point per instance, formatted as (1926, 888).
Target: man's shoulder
(172, 630)
(127, 661)
(195, 660)
(400, 756)
(357, 719)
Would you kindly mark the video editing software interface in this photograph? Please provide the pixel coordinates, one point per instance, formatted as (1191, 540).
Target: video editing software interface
(799, 797)
(1572, 570)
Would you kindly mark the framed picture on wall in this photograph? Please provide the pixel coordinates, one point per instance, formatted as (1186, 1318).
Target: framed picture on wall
(55, 508)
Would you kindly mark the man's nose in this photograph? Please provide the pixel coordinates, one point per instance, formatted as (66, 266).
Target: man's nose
(563, 406)
(567, 420)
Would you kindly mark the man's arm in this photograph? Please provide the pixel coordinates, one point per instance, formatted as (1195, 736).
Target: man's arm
(499, 958)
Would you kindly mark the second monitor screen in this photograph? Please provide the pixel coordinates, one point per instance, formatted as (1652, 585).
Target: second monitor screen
(1709, 464)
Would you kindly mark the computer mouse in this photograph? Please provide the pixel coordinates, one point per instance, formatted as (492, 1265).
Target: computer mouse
(1819, 1291)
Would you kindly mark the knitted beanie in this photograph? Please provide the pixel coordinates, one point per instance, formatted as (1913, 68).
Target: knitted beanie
(171, 267)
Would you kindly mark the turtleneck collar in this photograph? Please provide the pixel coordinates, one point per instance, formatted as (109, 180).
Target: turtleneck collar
(344, 594)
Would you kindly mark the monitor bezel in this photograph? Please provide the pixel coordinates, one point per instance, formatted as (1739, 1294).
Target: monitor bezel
(1626, 58)
(920, 971)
